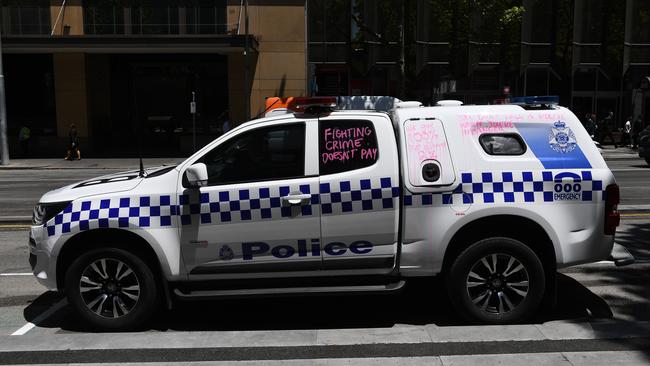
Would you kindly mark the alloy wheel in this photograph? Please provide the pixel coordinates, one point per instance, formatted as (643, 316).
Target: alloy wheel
(497, 283)
(109, 288)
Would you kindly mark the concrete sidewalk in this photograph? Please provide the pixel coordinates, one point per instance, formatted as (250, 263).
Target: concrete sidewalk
(549, 343)
(112, 164)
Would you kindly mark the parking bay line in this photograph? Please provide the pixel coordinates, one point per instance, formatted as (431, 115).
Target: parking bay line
(634, 215)
(14, 226)
(16, 274)
(46, 314)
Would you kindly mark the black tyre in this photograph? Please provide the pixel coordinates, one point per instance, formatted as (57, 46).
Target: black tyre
(647, 159)
(496, 281)
(111, 289)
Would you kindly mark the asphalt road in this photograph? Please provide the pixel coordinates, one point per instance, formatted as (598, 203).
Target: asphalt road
(21, 189)
(633, 177)
(418, 322)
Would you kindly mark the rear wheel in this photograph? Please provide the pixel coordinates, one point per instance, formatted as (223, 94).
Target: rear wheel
(111, 289)
(496, 281)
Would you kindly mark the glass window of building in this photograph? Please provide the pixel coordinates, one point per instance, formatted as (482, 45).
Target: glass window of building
(155, 17)
(25, 17)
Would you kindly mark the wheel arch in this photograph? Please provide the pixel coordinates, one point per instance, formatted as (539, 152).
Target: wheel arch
(108, 237)
(505, 225)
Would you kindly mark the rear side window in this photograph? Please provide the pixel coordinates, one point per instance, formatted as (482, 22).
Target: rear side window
(502, 144)
(346, 145)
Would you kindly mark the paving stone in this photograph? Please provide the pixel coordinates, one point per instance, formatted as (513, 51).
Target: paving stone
(484, 333)
(399, 334)
(627, 358)
(537, 359)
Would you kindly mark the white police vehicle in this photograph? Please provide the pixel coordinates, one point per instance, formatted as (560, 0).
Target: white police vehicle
(318, 200)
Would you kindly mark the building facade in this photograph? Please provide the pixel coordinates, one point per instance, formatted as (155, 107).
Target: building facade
(125, 71)
(593, 54)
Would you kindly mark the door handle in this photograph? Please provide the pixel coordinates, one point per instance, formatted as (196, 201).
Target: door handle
(296, 199)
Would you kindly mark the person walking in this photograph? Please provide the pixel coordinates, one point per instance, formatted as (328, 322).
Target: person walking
(23, 139)
(627, 131)
(606, 129)
(73, 147)
(590, 125)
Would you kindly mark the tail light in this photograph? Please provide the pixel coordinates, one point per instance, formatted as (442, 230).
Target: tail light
(612, 216)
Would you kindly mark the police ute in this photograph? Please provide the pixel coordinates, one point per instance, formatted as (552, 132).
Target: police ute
(328, 196)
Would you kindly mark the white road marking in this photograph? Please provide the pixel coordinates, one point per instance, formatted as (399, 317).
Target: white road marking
(629, 169)
(16, 274)
(46, 314)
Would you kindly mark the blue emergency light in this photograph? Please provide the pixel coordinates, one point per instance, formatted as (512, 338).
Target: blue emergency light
(536, 100)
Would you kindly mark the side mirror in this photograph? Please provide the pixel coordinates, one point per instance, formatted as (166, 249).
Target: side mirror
(197, 175)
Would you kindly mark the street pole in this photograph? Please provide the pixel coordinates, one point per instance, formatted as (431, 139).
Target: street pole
(3, 115)
(193, 111)
(402, 58)
(246, 64)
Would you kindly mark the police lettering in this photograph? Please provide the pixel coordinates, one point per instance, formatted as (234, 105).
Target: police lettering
(567, 192)
(252, 249)
(566, 196)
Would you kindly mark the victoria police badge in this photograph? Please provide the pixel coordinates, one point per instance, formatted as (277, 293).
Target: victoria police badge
(561, 138)
(226, 253)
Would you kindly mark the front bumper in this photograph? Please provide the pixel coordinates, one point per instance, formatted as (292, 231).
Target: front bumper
(621, 256)
(39, 258)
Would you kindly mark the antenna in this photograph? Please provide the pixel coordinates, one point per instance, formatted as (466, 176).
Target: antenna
(267, 109)
(142, 173)
(138, 128)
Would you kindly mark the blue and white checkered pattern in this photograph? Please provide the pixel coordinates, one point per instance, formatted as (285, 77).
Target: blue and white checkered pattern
(224, 206)
(335, 198)
(144, 211)
(243, 205)
(358, 196)
(507, 187)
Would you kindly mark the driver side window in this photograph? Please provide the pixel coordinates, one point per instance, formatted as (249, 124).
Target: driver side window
(267, 153)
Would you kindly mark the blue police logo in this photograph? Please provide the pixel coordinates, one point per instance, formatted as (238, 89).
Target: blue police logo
(561, 139)
(226, 253)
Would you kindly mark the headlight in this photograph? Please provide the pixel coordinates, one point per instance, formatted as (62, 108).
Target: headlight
(43, 212)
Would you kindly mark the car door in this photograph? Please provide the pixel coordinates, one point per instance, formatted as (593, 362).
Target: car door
(359, 192)
(259, 211)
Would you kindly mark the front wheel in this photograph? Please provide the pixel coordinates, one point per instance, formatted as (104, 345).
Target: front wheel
(496, 281)
(111, 289)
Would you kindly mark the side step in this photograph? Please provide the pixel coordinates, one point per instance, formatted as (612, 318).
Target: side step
(393, 287)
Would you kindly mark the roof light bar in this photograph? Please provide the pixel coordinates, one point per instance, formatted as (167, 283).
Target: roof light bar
(536, 100)
(306, 104)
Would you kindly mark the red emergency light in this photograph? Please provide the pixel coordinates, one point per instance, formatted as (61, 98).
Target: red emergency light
(312, 104)
(300, 104)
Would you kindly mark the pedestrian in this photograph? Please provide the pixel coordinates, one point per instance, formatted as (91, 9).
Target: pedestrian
(605, 129)
(23, 138)
(627, 130)
(590, 125)
(595, 123)
(73, 146)
(636, 130)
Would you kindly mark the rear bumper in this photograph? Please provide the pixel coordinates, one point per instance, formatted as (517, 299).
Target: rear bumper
(621, 256)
